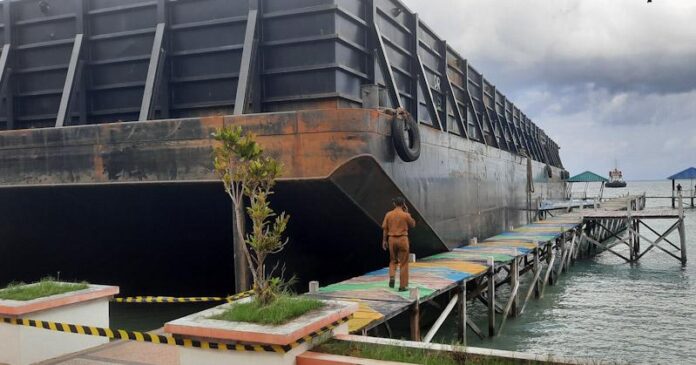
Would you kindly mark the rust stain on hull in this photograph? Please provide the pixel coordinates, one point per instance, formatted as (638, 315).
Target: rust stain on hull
(311, 144)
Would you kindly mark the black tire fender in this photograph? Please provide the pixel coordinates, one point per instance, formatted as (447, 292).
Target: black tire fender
(406, 136)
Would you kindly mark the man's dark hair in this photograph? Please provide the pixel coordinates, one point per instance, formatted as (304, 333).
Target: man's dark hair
(399, 201)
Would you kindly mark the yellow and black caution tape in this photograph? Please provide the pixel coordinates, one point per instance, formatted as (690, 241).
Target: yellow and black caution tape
(163, 339)
(231, 298)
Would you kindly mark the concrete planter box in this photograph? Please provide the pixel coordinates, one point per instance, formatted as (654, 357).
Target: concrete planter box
(199, 326)
(20, 345)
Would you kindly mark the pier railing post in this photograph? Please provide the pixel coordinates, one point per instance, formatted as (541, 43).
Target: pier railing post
(491, 296)
(313, 287)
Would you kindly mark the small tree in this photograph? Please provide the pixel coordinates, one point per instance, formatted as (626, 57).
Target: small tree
(246, 172)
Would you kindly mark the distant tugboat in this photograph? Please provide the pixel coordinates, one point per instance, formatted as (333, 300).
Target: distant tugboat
(615, 179)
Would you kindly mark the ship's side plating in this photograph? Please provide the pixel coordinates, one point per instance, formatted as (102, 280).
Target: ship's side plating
(308, 75)
(80, 200)
(68, 62)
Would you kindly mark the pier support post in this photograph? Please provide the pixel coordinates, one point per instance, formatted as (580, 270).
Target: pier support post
(549, 272)
(550, 258)
(564, 251)
(537, 269)
(491, 297)
(629, 227)
(636, 243)
(415, 315)
(514, 283)
(461, 314)
(682, 239)
(682, 231)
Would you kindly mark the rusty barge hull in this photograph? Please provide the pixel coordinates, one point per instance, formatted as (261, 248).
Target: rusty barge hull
(83, 190)
(84, 200)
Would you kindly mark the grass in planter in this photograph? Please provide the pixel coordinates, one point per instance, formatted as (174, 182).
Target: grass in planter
(44, 288)
(411, 355)
(283, 310)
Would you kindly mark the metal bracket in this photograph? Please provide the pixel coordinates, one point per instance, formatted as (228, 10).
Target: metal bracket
(478, 124)
(5, 71)
(154, 71)
(437, 123)
(487, 119)
(73, 77)
(247, 65)
(455, 107)
(387, 70)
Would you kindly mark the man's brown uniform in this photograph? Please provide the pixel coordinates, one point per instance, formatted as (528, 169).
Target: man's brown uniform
(396, 224)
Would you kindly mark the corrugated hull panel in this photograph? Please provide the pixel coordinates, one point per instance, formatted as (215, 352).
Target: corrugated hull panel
(69, 62)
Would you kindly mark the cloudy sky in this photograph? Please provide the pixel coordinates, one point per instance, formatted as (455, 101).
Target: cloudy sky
(606, 79)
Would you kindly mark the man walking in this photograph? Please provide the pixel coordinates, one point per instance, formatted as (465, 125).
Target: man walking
(395, 238)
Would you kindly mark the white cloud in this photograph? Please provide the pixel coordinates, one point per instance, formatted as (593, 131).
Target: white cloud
(605, 79)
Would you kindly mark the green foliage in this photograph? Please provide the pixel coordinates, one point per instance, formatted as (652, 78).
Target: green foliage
(44, 288)
(246, 171)
(282, 310)
(266, 236)
(232, 158)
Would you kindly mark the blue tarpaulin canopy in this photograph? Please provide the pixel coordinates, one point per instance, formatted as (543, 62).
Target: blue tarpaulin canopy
(688, 174)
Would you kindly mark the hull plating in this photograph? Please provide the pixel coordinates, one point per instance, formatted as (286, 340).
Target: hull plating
(137, 204)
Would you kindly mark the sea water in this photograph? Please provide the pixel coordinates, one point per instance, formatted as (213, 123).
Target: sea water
(606, 309)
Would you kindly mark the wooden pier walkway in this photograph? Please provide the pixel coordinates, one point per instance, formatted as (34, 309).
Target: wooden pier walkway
(442, 273)
(471, 271)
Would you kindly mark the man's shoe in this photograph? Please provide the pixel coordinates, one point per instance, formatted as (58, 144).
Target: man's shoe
(403, 289)
(391, 283)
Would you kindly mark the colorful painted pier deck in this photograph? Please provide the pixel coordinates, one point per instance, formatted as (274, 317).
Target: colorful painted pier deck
(441, 273)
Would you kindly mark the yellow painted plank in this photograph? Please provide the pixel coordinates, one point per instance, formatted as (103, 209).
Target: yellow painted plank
(463, 266)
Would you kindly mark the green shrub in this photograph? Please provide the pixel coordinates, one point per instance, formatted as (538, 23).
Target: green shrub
(44, 288)
(282, 310)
